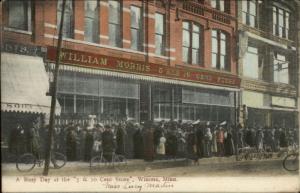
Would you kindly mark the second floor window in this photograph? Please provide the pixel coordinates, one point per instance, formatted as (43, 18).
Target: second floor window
(19, 14)
(251, 64)
(159, 34)
(218, 4)
(68, 25)
(190, 43)
(219, 50)
(249, 12)
(281, 69)
(115, 23)
(136, 28)
(91, 31)
(281, 22)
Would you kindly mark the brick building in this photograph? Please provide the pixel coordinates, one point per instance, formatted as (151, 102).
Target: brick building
(141, 60)
(268, 62)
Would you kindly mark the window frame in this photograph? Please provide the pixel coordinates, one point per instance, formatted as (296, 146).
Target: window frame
(278, 30)
(190, 47)
(139, 30)
(218, 53)
(119, 35)
(162, 51)
(284, 62)
(248, 12)
(95, 37)
(72, 19)
(29, 16)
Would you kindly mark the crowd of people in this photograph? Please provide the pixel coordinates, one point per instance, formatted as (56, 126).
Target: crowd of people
(149, 141)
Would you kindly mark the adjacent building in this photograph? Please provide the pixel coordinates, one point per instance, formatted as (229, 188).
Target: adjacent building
(268, 62)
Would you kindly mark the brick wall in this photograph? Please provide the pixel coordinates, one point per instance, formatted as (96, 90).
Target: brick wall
(45, 32)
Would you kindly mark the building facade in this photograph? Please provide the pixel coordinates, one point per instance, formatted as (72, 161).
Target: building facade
(138, 60)
(268, 62)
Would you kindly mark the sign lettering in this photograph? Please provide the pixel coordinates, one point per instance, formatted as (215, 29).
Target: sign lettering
(90, 60)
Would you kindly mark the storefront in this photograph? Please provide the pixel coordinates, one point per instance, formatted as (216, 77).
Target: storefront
(267, 110)
(24, 84)
(116, 89)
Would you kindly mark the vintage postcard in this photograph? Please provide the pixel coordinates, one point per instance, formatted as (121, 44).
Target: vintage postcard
(150, 95)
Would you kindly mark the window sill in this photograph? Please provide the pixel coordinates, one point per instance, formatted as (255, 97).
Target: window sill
(17, 30)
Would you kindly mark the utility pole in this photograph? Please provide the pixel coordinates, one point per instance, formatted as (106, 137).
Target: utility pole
(53, 93)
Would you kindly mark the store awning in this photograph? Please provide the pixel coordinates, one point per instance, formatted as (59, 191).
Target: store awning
(24, 84)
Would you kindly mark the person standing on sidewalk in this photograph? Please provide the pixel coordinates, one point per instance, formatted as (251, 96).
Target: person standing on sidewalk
(208, 140)
(108, 143)
(220, 141)
(148, 142)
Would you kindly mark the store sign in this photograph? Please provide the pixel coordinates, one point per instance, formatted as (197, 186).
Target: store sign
(86, 59)
(17, 48)
(283, 102)
(16, 106)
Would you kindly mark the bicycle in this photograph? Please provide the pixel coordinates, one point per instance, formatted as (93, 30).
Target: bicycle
(116, 160)
(291, 162)
(27, 161)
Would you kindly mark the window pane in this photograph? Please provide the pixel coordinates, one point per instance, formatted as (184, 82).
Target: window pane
(186, 25)
(251, 20)
(223, 47)
(252, 8)
(114, 12)
(185, 54)
(214, 60)
(114, 35)
(91, 21)
(196, 28)
(214, 45)
(158, 44)
(159, 23)
(68, 18)
(274, 16)
(134, 39)
(251, 63)
(196, 40)
(213, 3)
(222, 62)
(222, 5)
(19, 14)
(244, 15)
(245, 6)
(280, 18)
(195, 56)
(214, 33)
(186, 38)
(135, 17)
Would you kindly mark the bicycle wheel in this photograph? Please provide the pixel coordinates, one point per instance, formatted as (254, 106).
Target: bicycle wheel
(291, 162)
(26, 162)
(120, 161)
(98, 161)
(58, 160)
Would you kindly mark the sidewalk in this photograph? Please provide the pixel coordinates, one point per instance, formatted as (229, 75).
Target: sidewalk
(133, 165)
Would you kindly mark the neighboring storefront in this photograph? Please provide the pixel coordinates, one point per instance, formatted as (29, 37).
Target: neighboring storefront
(267, 110)
(116, 89)
(24, 84)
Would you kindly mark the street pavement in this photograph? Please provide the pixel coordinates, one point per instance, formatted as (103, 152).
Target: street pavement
(215, 166)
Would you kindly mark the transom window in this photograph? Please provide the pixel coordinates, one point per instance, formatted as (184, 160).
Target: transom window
(281, 22)
(114, 23)
(68, 25)
(249, 12)
(219, 50)
(91, 32)
(191, 43)
(19, 14)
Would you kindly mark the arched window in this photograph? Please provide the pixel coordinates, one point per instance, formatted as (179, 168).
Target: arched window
(191, 33)
(219, 51)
